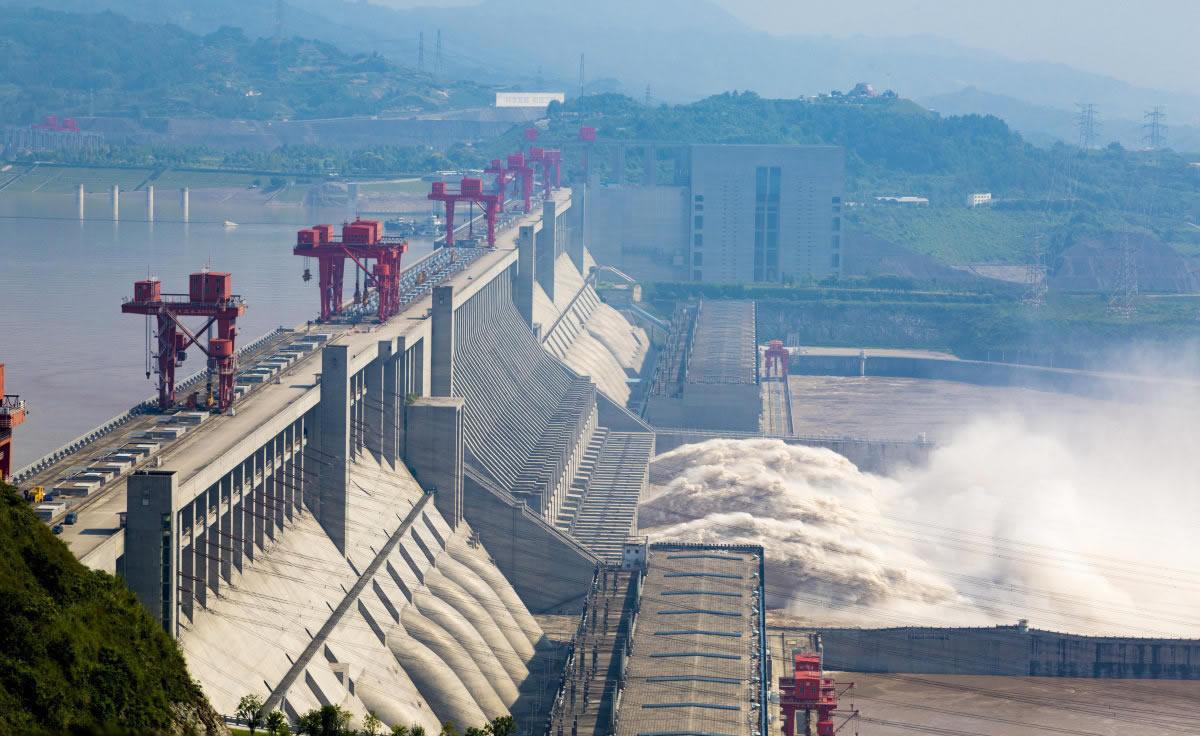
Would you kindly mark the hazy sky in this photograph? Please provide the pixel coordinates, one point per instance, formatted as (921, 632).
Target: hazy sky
(1147, 42)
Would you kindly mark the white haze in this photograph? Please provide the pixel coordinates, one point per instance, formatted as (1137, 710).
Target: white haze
(1084, 524)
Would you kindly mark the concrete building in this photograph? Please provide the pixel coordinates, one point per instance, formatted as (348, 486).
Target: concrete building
(733, 214)
(766, 213)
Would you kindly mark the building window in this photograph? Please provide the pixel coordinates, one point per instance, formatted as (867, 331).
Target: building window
(698, 259)
(837, 224)
(767, 184)
(698, 240)
(836, 260)
(699, 222)
(699, 208)
(837, 241)
(696, 275)
(699, 198)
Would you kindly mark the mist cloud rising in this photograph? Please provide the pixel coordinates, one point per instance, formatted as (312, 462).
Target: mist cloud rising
(1083, 524)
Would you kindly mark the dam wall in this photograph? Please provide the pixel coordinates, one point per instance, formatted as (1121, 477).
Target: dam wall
(372, 528)
(976, 372)
(1016, 651)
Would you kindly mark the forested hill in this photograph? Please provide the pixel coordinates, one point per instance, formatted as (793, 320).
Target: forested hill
(78, 652)
(896, 147)
(104, 63)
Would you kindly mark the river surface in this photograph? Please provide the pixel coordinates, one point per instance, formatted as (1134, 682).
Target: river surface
(68, 350)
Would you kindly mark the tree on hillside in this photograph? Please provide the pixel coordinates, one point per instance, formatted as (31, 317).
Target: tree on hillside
(249, 710)
(371, 724)
(328, 720)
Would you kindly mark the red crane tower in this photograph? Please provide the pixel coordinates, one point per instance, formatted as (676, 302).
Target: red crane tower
(471, 190)
(587, 135)
(807, 694)
(210, 294)
(777, 358)
(523, 173)
(12, 413)
(362, 241)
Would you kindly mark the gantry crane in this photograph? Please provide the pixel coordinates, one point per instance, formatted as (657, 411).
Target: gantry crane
(362, 241)
(808, 700)
(12, 413)
(777, 358)
(209, 295)
(523, 175)
(470, 189)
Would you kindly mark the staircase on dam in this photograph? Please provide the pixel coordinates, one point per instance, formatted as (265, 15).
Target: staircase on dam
(530, 423)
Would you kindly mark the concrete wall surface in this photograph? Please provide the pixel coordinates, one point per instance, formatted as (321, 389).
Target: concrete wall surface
(1009, 650)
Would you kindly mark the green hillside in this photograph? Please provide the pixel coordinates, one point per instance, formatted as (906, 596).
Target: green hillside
(107, 64)
(896, 147)
(78, 652)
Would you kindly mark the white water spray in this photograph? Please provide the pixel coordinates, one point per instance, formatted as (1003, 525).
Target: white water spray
(1082, 523)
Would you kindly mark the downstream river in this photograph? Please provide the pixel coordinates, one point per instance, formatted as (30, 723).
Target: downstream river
(69, 351)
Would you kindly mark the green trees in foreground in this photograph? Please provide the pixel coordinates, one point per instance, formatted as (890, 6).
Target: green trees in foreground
(333, 720)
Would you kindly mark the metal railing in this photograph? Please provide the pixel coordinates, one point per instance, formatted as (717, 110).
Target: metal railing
(82, 441)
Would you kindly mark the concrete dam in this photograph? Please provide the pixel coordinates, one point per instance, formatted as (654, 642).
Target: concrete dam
(374, 523)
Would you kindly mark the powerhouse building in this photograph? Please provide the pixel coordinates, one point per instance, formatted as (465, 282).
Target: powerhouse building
(733, 214)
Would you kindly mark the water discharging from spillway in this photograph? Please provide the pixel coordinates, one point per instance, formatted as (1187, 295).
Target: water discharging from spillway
(1082, 524)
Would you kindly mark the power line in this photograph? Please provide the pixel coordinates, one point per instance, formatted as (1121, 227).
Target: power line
(437, 59)
(1156, 128)
(1088, 124)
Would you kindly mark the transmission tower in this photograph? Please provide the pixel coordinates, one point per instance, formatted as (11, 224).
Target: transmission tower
(1156, 129)
(1088, 125)
(1123, 302)
(420, 51)
(649, 99)
(437, 58)
(581, 77)
(1035, 275)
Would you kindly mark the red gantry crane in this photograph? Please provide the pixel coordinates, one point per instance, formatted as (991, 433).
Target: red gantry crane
(209, 295)
(587, 135)
(777, 358)
(810, 696)
(470, 189)
(362, 241)
(523, 173)
(12, 413)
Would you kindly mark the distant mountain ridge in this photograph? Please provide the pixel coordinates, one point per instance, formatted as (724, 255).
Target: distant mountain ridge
(679, 49)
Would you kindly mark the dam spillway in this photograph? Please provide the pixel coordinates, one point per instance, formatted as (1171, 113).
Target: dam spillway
(374, 523)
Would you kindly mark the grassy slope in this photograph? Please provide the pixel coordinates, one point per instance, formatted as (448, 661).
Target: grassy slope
(957, 235)
(78, 652)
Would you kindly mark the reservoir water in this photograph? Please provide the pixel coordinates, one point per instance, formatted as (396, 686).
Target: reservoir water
(68, 350)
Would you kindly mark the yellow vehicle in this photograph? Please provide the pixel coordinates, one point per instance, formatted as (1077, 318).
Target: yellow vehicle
(36, 494)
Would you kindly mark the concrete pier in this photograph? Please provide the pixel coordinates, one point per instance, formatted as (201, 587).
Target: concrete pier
(435, 453)
(116, 202)
(80, 194)
(334, 428)
(185, 203)
(441, 366)
(150, 204)
(526, 255)
(547, 248)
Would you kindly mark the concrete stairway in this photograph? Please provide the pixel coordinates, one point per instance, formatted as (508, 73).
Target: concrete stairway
(609, 511)
(579, 484)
